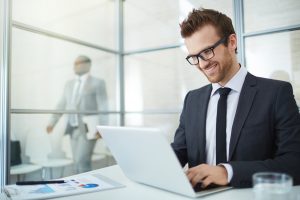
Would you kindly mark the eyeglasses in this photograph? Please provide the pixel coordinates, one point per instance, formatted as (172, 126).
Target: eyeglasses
(205, 54)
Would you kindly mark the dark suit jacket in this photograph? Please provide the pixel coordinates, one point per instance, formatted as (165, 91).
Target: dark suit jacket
(265, 133)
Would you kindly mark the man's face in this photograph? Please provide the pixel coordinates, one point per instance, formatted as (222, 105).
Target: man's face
(218, 69)
(81, 67)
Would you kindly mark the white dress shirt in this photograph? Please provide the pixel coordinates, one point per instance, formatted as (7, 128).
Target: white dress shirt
(76, 93)
(82, 79)
(235, 84)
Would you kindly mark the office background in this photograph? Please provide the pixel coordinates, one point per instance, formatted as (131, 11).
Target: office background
(135, 47)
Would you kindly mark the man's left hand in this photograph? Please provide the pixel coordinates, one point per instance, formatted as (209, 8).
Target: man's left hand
(98, 135)
(207, 174)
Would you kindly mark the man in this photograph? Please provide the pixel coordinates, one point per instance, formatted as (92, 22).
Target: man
(258, 131)
(85, 93)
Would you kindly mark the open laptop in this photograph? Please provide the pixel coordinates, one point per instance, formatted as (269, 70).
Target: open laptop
(145, 156)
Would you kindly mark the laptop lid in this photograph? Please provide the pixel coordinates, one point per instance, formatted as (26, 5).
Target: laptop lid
(145, 156)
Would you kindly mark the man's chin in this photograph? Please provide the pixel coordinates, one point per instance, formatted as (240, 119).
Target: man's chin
(80, 73)
(213, 79)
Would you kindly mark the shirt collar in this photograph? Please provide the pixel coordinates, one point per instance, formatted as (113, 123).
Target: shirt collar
(235, 83)
(83, 77)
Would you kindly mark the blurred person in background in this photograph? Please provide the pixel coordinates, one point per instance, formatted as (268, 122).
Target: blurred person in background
(82, 94)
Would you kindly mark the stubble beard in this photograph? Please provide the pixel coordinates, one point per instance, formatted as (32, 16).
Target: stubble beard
(223, 70)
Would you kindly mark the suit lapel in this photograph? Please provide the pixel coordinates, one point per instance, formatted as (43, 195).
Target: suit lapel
(202, 113)
(244, 105)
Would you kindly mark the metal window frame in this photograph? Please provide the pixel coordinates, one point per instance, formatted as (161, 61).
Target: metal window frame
(290, 28)
(5, 44)
(120, 60)
(238, 8)
(152, 111)
(59, 36)
(147, 50)
(120, 52)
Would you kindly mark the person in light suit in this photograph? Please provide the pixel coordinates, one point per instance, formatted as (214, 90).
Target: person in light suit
(258, 131)
(85, 93)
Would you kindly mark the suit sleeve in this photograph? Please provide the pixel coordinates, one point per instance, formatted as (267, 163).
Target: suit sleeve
(179, 145)
(287, 133)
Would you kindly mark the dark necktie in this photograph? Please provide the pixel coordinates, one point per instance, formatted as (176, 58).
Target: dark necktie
(221, 126)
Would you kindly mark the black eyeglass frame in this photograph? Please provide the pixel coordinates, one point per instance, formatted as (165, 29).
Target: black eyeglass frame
(222, 40)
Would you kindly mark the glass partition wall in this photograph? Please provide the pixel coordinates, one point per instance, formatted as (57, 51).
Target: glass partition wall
(272, 43)
(135, 49)
(157, 76)
(48, 37)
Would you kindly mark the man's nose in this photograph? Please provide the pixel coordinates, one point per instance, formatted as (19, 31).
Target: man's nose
(202, 63)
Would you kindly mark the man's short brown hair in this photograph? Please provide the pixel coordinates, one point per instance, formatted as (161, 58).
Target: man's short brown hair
(201, 17)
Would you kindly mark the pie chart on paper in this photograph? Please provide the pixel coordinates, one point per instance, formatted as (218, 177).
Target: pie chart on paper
(89, 185)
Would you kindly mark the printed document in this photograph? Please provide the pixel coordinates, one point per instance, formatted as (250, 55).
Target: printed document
(77, 184)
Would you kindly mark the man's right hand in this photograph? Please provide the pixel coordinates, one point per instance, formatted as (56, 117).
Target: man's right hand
(207, 174)
(49, 129)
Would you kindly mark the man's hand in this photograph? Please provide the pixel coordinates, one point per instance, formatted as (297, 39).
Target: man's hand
(98, 135)
(49, 129)
(207, 174)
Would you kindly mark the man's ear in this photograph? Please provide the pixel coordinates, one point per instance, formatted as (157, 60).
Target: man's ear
(232, 42)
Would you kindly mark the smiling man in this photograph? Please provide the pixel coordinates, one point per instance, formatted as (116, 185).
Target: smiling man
(239, 124)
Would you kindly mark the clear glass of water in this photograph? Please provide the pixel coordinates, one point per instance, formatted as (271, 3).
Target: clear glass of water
(271, 185)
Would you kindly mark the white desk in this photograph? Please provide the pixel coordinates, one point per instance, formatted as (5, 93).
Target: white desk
(138, 191)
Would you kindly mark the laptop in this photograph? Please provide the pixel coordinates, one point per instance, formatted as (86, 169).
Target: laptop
(146, 157)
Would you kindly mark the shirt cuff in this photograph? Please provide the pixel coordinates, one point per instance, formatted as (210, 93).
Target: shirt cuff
(229, 170)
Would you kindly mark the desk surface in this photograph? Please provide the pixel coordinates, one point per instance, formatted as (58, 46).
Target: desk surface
(139, 191)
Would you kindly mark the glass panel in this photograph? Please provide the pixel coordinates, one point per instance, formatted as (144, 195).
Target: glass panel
(276, 56)
(42, 66)
(159, 80)
(158, 21)
(168, 123)
(92, 21)
(268, 14)
(52, 151)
